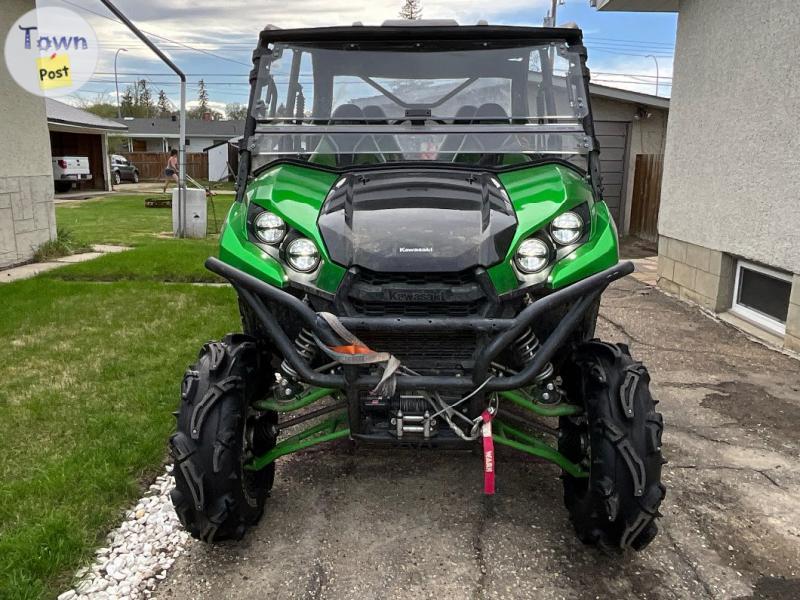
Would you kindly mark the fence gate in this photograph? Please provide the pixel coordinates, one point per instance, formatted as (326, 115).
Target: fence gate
(646, 196)
(151, 165)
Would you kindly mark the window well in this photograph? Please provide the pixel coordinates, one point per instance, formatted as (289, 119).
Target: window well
(761, 295)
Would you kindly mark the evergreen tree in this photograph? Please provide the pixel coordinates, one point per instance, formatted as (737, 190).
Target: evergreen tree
(202, 96)
(411, 10)
(164, 105)
(147, 107)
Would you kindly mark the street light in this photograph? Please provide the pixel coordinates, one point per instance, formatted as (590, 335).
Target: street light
(116, 83)
(656, 61)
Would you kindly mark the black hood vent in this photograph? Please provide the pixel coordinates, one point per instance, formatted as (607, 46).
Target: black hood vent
(420, 220)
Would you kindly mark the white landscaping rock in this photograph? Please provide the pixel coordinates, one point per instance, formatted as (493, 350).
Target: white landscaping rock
(132, 560)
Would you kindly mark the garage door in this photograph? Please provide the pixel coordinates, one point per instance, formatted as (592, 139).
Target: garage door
(613, 139)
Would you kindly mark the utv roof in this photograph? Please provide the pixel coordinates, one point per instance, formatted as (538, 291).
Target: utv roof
(423, 30)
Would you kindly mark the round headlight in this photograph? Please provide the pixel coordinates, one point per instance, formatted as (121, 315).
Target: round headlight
(269, 228)
(532, 255)
(302, 255)
(566, 228)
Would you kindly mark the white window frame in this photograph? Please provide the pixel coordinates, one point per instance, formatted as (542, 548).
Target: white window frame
(750, 314)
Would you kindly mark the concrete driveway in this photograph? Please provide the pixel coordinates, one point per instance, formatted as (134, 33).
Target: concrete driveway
(404, 524)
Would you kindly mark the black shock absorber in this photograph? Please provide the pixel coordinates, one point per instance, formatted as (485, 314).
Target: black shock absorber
(527, 345)
(307, 349)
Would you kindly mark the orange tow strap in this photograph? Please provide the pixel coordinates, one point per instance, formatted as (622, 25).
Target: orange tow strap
(352, 349)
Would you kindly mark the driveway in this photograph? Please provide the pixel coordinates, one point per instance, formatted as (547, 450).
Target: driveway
(404, 524)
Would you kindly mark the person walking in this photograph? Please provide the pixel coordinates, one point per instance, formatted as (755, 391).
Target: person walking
(171, 172)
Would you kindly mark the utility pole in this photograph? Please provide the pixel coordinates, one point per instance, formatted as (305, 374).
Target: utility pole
(657, 78)
(550, 19)
(116, 83)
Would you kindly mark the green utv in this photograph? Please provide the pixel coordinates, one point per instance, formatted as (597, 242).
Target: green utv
(419, 244)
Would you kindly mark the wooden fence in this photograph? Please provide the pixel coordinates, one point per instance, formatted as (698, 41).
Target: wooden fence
(646, 196)
(151, 165)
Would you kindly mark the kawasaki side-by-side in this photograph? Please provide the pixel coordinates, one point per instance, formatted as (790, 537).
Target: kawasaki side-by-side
(419, 244)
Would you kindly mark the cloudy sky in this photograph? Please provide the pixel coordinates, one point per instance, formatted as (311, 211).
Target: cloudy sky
(213, 39)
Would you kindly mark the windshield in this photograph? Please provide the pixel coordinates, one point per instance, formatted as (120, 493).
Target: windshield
(372, 103)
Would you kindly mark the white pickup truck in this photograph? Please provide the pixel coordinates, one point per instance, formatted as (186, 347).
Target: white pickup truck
(69, 169)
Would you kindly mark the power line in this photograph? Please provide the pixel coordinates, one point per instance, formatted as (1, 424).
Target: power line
(161, 37)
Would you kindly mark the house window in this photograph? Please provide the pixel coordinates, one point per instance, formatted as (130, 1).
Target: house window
(761, 295)
(139, 145)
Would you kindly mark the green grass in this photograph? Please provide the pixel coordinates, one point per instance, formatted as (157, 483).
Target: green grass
(64, 244)
(125, 220)
(91, 374)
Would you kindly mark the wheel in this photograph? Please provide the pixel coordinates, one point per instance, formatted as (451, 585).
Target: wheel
(63, 186)
(217, 433)
(136, 177)
(117, 178)
(618, 440)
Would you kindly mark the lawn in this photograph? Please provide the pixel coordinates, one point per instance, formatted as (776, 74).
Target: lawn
(125, 220)
(94, 358)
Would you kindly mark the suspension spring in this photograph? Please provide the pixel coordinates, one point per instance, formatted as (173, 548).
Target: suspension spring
(527, 345)
(307, 349)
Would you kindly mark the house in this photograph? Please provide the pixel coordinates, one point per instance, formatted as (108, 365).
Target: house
(161, 134)
(729, 222)
(76, 132)
(27, 218)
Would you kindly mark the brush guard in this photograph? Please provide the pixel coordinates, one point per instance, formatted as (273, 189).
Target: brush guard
(330, 333)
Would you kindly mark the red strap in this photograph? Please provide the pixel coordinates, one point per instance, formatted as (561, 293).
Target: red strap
(488, 453)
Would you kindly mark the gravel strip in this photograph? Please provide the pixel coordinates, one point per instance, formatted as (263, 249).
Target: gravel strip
(138, 553)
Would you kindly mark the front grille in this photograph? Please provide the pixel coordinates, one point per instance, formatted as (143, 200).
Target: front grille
(426, 349)
(415, 294)
(422, 309)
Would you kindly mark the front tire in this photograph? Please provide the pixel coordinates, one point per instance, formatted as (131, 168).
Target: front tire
(618, 440)
(217, 433)
(117, 178)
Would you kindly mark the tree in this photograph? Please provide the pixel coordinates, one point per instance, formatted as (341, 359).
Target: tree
(148, 106)
(235, 111)
(202, 96)
(164, 105)
(411, 10)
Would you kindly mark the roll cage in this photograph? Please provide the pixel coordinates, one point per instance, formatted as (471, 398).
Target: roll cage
(280, 127)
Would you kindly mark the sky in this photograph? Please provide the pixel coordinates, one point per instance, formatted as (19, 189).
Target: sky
(213, 39)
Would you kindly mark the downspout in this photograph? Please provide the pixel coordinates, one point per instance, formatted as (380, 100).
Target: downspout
(182, 142)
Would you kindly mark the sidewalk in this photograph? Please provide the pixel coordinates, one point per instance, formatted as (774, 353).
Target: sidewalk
(32, 269)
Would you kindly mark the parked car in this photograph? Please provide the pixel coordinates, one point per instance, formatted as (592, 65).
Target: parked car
(123, 170)
(69, 169)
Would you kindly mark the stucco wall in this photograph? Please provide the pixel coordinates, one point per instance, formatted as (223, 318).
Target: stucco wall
(732, 158)
(27, 217)
(646, 136)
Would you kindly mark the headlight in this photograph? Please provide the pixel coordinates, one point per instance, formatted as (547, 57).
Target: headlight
(566, 228)
(532, 255)
(269, 228)
(302, 255)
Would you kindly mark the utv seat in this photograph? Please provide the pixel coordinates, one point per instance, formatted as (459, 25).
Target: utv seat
(482, 150)
(454, 141)
(346, 149)
(387, 145)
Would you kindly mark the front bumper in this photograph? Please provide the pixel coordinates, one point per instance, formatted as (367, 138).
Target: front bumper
(502, 332)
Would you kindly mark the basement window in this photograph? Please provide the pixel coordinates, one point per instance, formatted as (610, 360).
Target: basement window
(761, 295)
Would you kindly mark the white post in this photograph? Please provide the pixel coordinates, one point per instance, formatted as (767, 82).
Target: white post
(182, 165)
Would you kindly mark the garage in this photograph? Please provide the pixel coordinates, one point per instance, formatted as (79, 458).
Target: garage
(613, 139)
(76, 132)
